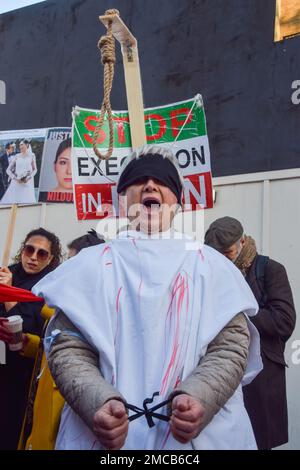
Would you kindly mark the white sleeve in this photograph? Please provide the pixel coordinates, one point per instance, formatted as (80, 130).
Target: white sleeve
(10, 167)
(33, 164)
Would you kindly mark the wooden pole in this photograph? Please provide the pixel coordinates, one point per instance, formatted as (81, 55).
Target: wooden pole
(277, 35)
(10, 233)
(132, 78)
(43, 215)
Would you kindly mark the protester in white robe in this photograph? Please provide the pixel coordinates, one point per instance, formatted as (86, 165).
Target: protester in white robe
(150, 302)
(21, 172)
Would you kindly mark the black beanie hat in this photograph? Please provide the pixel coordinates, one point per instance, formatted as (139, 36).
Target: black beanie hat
(152, 165)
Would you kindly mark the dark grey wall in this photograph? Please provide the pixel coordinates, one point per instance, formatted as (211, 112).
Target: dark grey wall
(223, 49)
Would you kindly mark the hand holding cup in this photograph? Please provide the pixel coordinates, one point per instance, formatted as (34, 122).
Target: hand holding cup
(5, 334)
(14, 325)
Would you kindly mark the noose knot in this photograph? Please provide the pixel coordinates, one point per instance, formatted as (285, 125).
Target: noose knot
(106, 45)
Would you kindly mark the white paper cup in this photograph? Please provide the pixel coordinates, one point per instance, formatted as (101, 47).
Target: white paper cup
(14, 324)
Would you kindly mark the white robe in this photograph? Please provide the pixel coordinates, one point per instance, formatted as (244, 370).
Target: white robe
(151, 307)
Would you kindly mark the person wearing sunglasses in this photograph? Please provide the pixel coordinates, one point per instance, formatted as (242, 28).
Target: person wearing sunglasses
(39, 254)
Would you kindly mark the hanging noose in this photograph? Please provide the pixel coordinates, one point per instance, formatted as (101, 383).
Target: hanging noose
(106, 45)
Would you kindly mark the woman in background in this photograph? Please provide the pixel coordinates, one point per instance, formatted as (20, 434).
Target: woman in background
(39, 254)
(45, 403)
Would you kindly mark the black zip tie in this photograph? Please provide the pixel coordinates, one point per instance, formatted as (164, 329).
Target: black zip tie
(149, 413)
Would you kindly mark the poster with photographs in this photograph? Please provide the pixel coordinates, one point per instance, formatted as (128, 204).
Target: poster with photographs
(20, 162)
(56, 172)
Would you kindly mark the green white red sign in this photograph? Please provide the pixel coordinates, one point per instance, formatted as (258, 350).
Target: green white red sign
(180, 126)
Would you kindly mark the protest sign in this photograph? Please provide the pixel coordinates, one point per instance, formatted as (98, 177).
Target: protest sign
(56, 172)
(179, 126)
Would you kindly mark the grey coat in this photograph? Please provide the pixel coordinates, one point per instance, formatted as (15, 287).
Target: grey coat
(74, 365)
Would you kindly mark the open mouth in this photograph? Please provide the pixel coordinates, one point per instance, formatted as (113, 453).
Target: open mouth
(151, 203)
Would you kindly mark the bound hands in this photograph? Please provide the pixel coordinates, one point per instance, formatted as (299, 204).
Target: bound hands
(187, 418)
(111, 421)
(111, 424)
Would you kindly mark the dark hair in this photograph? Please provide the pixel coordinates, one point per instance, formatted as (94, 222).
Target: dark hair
(8, 145)
(65, 144)
(25, 141)
(56, 250)
(90, 239)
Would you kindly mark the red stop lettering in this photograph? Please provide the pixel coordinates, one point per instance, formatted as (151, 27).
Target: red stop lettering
(162, 126)
(91, 127)
(120, 128)
(176, 123)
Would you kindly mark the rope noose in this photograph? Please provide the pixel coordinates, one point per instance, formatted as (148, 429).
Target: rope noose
(106, 45)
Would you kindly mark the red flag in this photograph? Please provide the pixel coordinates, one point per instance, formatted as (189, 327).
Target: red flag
(15, 294)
